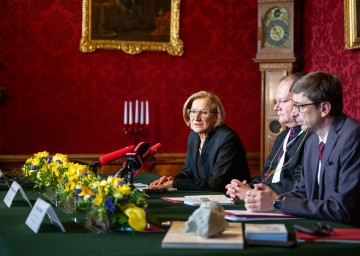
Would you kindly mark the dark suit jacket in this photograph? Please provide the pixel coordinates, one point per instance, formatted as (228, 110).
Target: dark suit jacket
(222, 158)
(291, 171)
(338, 195)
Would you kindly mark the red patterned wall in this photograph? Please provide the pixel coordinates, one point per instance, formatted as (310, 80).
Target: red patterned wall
(61, 100)
(324, 49)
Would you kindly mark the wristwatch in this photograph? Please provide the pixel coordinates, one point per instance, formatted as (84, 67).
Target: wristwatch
(277, 203)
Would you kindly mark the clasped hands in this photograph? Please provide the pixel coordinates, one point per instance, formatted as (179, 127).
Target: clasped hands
(258, 199)
(163, 182)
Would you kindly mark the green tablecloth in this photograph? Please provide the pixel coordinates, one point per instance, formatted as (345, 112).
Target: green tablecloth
(16, 238)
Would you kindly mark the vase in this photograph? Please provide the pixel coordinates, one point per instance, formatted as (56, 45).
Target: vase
(52, 196)
(69, 205)
(98, 223)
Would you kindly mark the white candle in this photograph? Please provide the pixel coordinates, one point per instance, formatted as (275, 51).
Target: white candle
(125, 112)
(142, 112)
(130, 112)
(147, 120)
(136, 111)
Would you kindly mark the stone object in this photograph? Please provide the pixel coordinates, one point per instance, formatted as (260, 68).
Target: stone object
(207, 221)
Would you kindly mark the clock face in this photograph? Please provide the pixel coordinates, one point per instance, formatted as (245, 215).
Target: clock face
(276, 28)
(277, 33)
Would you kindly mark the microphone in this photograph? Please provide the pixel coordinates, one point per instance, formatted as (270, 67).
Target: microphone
(154, 149)
(110, 157)
(135, 160)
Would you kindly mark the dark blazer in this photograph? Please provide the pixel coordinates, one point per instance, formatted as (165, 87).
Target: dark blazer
(337, 197)
(291, 170)
(222, 159)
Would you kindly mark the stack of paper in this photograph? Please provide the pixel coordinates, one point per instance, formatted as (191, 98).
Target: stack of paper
(267, 232)
(198, 200)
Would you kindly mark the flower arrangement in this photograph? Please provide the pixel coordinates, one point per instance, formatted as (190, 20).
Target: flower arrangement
(117, 204)
(75, 179)
(110, 203)
(45, 170)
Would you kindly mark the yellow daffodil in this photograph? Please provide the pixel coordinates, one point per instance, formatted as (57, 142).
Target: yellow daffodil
(98, 200)
(137, 218)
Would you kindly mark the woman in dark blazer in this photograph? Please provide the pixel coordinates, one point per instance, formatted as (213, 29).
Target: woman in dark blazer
(215, 153)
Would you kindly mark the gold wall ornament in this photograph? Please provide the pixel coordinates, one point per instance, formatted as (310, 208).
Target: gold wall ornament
(352, 24)
(146, 25)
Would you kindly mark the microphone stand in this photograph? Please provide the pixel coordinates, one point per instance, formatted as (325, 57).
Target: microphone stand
(94, 167)
(127, 172)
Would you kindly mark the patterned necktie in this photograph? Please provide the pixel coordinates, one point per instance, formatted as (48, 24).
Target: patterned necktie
(321, 150)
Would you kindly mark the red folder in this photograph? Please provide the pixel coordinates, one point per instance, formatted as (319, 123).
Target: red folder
(342, 235)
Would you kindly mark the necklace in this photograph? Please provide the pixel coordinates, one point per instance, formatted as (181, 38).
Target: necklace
(270, 172)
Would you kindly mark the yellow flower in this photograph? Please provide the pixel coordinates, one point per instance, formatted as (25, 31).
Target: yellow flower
(35, 161)
(42, 154)
(60, 157)
(98, 199)
(86, 191)
(123, 190)
(137, 218)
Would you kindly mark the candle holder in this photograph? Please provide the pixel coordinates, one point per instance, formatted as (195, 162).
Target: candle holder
(136, 129)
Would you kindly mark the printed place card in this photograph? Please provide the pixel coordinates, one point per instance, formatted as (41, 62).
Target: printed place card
(10, 195)
(37, 215)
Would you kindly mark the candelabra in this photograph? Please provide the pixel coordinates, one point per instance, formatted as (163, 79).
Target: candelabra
(138, 128)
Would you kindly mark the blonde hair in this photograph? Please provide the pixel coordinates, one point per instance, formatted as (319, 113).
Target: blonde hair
(215, 103)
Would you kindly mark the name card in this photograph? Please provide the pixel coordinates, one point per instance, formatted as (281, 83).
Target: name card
(10, 195)
(37, 215)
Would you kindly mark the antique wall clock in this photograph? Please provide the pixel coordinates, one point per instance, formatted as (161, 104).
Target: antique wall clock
(278, 54)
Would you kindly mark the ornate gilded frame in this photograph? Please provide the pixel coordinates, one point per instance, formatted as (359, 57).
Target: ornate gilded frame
(352, 23)
(88, 43)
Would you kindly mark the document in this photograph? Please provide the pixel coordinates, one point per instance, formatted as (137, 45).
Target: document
(198, 200)
(239, 215)
(175, 200)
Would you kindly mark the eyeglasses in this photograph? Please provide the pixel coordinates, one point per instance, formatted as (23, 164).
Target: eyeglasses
(280, 101)
(301, 107)
(202, 113)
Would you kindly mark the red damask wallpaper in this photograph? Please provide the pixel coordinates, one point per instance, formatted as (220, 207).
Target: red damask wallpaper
(324, 49)
(61, 100)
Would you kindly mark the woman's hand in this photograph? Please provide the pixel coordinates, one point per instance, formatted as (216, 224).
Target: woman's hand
(163, 182)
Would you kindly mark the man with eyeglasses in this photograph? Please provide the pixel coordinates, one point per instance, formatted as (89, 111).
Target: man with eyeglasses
(283, 165)
(215, 153)
(329, 187)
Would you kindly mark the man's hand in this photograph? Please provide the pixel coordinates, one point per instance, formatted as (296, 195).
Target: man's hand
(260, 199)
(236, 189)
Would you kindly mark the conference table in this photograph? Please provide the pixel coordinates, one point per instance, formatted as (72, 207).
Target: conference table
(16, 238)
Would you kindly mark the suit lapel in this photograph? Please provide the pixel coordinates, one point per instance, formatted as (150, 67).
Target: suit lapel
(329, 147)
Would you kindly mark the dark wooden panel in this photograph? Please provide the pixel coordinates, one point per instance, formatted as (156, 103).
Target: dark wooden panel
(168, 164)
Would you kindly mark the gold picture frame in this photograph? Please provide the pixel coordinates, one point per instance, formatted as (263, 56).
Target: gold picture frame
(131, 26)
(352, 23)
